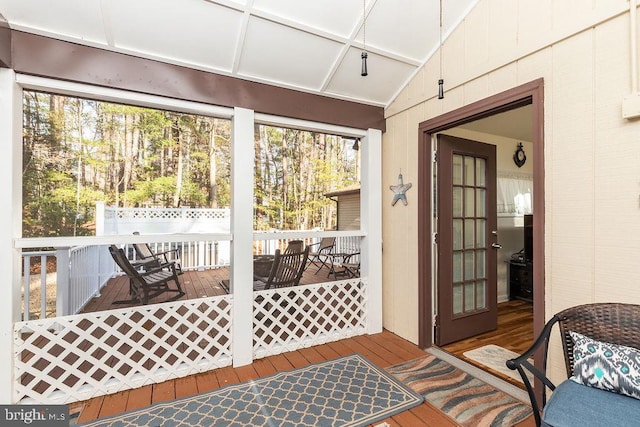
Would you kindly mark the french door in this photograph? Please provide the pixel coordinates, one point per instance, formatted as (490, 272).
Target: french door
(466, 239)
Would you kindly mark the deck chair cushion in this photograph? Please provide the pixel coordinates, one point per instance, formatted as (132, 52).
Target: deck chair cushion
(606, 366)
(572, 404)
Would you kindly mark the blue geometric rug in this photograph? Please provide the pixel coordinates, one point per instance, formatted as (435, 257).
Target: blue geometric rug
(348, 391)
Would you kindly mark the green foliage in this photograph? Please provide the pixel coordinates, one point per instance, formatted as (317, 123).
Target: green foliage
(79, 151)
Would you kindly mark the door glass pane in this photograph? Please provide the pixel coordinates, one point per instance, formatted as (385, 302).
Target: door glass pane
(457, 299)
(457, 201)
(469, 270)
(481, 240)
(469, 234)
(457, 234)
(469, 171)
(480, 201)
(480, 172)
(481, 290)
(469, 297)
(480, 264)
(469, 205)
(457, 169)
(457, 266)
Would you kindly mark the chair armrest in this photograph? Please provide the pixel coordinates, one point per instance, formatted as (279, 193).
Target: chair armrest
(522, 365)
(171, 265)
(164, 253)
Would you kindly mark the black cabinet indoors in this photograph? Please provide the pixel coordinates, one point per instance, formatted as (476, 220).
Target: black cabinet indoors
(521, 280)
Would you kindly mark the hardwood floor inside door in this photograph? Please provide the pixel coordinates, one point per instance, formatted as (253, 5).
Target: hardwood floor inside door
(514, 332)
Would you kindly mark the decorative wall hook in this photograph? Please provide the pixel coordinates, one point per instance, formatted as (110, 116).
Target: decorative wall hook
(399, 191)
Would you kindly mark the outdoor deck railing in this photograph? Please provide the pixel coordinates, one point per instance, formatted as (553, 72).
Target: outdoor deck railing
(82, 271)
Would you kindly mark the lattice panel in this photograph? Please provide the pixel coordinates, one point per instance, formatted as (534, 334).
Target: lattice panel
(291, 318)
(167, 213)
(74, 358)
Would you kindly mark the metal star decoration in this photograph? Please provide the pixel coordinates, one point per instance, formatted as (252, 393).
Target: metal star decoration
(399, 191)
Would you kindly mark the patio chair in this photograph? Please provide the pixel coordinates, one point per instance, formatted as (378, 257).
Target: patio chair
(346, 268)
(146, 285)
(294, 246)
(614, 325)
(286, 270)
(149, 259)
(321, 257)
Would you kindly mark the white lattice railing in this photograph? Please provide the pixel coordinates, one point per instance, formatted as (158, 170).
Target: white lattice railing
(74, 358)
(288, 319)
(116, 220)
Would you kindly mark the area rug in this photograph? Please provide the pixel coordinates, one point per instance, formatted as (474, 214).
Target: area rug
(461, 396)
(348, 391)
(495, 357)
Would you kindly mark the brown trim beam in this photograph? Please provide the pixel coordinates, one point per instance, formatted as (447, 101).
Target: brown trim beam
(57, 59)
(5, 43)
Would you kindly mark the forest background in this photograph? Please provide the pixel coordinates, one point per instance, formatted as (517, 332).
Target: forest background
(78, 151)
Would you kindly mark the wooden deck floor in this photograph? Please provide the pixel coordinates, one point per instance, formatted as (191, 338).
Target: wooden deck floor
(196, 284)
(384, 349)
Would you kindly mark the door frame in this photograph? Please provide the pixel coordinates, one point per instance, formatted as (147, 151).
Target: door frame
(531, 93)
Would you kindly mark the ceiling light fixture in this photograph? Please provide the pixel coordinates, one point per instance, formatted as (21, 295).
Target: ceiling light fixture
(440, 80)
(364, 40)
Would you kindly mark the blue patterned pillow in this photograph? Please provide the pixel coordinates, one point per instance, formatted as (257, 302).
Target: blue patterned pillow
(606, 366)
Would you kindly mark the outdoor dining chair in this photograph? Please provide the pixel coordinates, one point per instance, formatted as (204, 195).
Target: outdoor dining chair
(146, 285)
(321, 257)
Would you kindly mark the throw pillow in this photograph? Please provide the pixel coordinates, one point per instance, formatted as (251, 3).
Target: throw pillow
(606, 366)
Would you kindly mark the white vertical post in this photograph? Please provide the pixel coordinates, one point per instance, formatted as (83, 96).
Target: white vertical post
(100, 218)
(63, 278)
(10, 224)
(242, 232)
(201, 256)
(371, 224)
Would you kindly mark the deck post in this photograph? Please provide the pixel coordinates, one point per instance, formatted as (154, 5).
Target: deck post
(63, 279)
(371, 224)
(10, 224)
(242, 159)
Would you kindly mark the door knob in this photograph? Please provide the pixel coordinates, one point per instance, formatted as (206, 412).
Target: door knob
(496, 245)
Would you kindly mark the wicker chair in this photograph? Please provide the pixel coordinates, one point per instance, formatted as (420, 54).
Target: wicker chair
(607, 322)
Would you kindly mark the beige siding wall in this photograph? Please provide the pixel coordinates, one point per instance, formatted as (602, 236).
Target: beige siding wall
(592, 155)
(349, 212)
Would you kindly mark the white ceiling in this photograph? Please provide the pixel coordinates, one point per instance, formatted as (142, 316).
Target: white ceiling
(514, 124)
(313, 46)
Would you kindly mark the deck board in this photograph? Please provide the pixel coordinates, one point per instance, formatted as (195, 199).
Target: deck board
(386, 348)
(195, 284)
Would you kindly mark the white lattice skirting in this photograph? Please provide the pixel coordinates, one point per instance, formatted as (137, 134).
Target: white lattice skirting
(291, 318)
(74, 358)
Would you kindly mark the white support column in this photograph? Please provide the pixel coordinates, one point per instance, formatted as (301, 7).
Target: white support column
(371, 224)
(242, 232)
(10, 224)
(63, 282)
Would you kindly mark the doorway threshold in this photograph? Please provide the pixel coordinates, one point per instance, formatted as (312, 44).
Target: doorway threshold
(488, 378)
